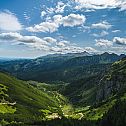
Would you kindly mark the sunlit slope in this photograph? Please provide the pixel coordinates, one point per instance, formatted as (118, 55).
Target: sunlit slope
(20, 101)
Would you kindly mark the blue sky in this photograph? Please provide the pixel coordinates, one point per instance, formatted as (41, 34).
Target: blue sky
(32, 28)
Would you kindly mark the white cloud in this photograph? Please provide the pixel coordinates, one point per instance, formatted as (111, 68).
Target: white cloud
(119, 41)
(63, 43)
(60, 7)
(115, 31)
(99, 4)
(18, 37)
(43, 13)
(9, 22)
(73, 20)
(50, 10)
(50, 39)
(90, 50)
(102, 34)
(47, 44)
(111, 46)
(58, 20)
(103, 43)
(89, 10)
(116, 45)
(119, 49)
(102, 25)
(72, 49)
(123, 6)
(44, 27)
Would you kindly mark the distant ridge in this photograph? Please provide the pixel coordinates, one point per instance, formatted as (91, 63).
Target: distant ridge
(60, 67)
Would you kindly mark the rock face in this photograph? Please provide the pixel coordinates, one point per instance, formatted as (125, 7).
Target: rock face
(114, 82)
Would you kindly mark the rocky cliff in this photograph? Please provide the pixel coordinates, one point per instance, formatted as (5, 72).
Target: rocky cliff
(113, 82)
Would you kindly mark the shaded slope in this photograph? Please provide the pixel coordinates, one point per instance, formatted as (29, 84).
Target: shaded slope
(114, 82)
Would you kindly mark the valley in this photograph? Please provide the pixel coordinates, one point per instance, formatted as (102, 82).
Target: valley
(63, 90)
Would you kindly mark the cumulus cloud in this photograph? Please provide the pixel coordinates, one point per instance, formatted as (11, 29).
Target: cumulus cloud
(73, 20)
(9, 22)
(44, 27)
(48, 44)
(103, 43)
(50, 39)
(90, 50)
(58, 20)
(63, 43)
(119, 41)
(18, 37)
(116, 45)
(99, 4)
(102, 25)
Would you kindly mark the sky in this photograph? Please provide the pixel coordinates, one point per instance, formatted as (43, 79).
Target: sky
(32, 28)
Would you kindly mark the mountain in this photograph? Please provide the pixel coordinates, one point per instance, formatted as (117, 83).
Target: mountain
(2, 59)
(60, 67)
(113, 87)
(114, 82)
(105, 96)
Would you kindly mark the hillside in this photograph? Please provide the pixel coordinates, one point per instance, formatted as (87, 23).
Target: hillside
(113, 82)
(22, 102)
(102, 98)
(113, 86)
(64, 68)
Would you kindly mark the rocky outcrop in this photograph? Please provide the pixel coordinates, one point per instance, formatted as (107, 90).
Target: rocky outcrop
(112, 83)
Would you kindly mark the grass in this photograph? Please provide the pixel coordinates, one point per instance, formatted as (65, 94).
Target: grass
(31, 103)
(5, 108)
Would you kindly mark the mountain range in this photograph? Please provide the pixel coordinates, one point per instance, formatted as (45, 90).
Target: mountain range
(58, 67)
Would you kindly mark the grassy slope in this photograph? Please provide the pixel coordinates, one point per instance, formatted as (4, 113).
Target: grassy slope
(23, 102)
